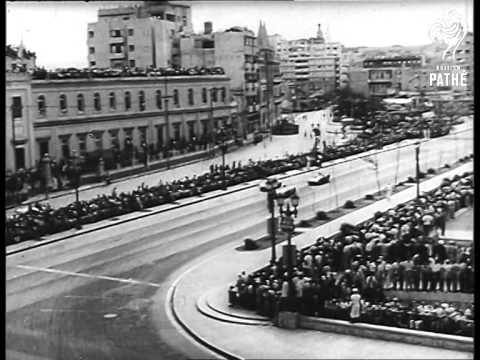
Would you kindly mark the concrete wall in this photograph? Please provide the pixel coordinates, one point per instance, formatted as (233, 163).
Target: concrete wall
(445, 341)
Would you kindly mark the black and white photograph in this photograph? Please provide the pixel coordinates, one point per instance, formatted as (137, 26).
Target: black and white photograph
(287, 179)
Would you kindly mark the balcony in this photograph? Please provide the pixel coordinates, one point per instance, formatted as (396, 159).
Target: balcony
(116, 40)
(250, 89)
(379, 80)
(117, 56)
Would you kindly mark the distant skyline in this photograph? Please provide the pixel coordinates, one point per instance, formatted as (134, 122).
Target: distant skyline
(56, 31)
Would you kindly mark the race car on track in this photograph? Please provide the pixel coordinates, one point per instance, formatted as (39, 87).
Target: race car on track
(320, 179)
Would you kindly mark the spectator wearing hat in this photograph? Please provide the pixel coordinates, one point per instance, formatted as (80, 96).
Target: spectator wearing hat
(451, 251)
(426, 275)
(356, 305)
(445, 275)
(452, 276)
(409, 274)
(416, 271)
(439, 251)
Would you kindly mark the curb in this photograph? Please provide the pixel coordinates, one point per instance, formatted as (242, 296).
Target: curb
(193, 334)
(365, 330)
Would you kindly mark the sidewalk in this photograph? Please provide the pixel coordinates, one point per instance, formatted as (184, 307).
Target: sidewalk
(193, 291)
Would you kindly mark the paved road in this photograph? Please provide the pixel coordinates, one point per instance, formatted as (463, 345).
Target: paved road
(100, 295)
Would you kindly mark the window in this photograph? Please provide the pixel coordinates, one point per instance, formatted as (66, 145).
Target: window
(63, 103)
(98, 140)
(91, 50)
(191, 129)
(17, 107)
(131, 47)
(128, 100)
(65, 146)
(80, 103)
(93, 63)
(43, 145)
(116, 48)
(175, 98)
(130, 32)
(160, 135)
(41, 106)
(132, 63)
(82, 143)
(142, 134)
(112, 101)
(214, 94)
(114, 143)
(115, 33)
(97, 104)
(158, 98)
(141, 100)
(176, 131)
(224, 94)
(90, 34)
(204, 95)
(190, 97)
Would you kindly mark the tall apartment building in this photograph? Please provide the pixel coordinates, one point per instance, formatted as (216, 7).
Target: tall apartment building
(270, 80)
(138, 36)
(310, 67)
(388, 75)
(236, 51)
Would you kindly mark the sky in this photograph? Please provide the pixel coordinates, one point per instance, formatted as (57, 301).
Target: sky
(56, 31)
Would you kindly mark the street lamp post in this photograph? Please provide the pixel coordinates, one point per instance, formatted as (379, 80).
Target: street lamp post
(221, 137)
(417, 158)
(270, 187)
(76, 178)
(288, 210)
(47, 172)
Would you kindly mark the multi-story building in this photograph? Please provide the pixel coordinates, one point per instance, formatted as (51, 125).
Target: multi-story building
(19, 147)
(237, 52)
(250, 63)
(270, 80)
(138, 36)
(387, 74)
(310, 67)
(92, 115)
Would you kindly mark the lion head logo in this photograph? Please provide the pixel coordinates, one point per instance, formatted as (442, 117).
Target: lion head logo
(450, 30)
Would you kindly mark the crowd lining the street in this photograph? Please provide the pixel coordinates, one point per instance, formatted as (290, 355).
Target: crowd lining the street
(25, 183)
(346, 276)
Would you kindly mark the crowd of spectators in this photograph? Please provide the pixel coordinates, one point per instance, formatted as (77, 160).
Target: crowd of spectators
(399, 249)
(25, 183)
(88, 73)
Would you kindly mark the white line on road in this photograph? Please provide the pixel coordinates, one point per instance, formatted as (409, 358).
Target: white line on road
(89, 276)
